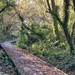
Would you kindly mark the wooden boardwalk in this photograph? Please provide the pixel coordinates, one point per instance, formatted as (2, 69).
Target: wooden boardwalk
(28, 64)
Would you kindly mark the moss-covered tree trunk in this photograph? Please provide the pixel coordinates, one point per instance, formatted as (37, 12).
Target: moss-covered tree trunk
(74, 4)
(73, 26)
(73, 32)
(65, 24)
(55, 10)
(69, 39)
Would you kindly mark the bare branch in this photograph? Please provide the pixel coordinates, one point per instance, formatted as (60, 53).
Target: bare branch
(52, 13)
(22, 20)
(5, 7)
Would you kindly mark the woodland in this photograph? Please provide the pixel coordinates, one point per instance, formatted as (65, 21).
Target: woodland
(45, 28)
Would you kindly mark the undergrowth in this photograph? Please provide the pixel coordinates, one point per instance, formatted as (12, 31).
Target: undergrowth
(45, 47)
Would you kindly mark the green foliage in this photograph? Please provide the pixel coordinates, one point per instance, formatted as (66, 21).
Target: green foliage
(28, 37)
(1, 4)
(6, 63)
(44, 48)
(22, 40)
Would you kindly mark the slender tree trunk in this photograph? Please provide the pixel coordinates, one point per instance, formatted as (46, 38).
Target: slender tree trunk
(74, 4)
(55, 10)
(72, 33)
(69, 39)
(64, 23)
(56, 29)
(73, 27)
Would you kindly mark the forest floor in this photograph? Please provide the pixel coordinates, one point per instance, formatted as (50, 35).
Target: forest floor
(6, 65)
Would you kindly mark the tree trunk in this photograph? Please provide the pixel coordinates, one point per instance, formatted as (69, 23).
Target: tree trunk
(55, 10)
(64, 23)
(69, 39)
(74, 4)
(72, 33)
(56, 28)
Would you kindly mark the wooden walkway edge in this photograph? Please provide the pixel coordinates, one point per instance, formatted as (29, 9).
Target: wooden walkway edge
(28, 64)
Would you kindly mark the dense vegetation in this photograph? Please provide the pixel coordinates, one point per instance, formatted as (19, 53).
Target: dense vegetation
(45, 28)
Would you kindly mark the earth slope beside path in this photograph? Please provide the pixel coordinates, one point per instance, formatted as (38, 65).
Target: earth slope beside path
(28, 64)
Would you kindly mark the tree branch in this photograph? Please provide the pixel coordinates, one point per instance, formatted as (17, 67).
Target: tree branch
(5, 7)
(52, 13)
(22, 20)
(66, 12)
